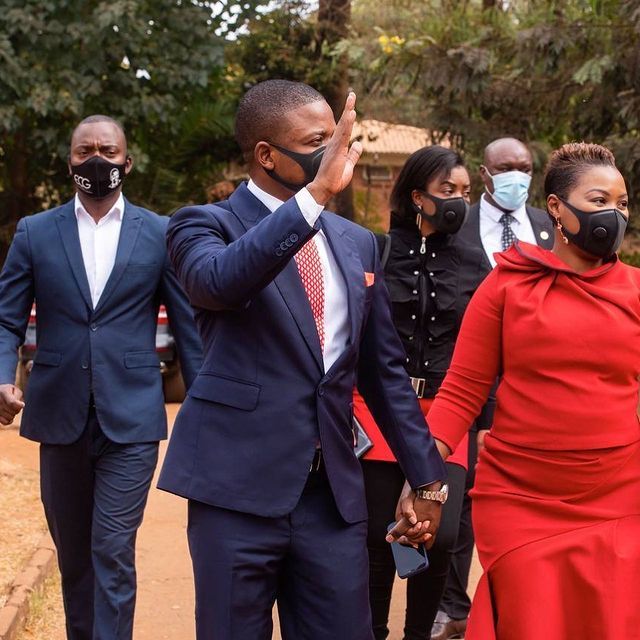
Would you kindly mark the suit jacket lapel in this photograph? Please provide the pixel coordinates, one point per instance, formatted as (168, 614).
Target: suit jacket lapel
(542, 228)
(68, 229)
(129, 231)
(471, 232)
(289, 284)
(248, 210)
(345, 252)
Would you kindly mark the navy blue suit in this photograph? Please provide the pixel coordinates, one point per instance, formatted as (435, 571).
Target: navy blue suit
(94, 398)
(246, 435)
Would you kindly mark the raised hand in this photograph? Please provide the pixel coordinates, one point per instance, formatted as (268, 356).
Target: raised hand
(339, 159)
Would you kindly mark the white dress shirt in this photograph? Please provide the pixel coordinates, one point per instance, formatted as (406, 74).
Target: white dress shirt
(336, 315)
(99, 244)
(491, 227)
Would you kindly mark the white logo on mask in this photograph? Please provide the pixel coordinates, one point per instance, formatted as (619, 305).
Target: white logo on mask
(82, 182)
(114, 176)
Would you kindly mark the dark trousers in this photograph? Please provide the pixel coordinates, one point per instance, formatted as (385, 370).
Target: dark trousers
(310, 562)
(455, 601)
(383, 482)
(94, 492)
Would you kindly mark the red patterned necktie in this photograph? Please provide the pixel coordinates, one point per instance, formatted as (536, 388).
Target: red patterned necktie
(310, 268)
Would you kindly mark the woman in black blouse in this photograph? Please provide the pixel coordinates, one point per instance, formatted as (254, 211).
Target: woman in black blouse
(431, 275)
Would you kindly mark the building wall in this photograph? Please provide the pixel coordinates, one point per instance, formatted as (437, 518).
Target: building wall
(373, 181)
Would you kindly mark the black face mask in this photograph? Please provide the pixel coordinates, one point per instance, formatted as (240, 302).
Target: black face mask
(449, 216)
(600, 232)
(310, 163)
(97, 178)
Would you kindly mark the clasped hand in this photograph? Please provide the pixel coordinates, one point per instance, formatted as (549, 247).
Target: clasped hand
(417, 520)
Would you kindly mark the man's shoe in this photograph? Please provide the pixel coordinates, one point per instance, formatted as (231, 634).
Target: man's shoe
(438, 625)
(444, 628)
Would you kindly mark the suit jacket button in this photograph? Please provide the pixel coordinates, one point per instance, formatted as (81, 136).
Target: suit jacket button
(85, 365)
(279, 252)
(94, 327)
(293, 237)
(320, 391)
(288, 243)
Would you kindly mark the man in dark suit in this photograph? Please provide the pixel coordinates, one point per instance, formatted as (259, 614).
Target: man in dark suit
(502, 215)
(97, 267)
(291, 307)
(494, 222)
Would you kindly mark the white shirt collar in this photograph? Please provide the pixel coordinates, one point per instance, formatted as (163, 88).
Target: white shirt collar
(116, 212)
(269, 201)
(494, 214)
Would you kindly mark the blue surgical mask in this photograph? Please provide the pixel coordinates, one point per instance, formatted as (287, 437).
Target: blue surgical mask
(510, 189)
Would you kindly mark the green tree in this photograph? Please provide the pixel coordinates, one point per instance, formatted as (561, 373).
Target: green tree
(153, 64)
(543, 70)
(294, 43)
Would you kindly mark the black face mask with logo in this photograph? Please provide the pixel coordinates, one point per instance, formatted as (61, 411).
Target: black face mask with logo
(601, 232)
(449, 215)
(97, 178)
(309, 162)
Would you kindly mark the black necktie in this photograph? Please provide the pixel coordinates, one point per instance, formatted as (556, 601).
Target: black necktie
(508, 236)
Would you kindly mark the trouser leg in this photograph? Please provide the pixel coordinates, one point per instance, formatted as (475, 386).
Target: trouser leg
(66, 486)
(424, 590)
(237, 558)
(383, 483)
(455, 601)
(323, 588)
(123, 474)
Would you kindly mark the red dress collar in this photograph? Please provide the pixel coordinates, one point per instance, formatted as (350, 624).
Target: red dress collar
(522, 256)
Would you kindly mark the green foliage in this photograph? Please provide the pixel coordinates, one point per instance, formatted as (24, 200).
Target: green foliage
(545, 71)
(630, 258)
(153, 64)
(367, 207)
(282, 43)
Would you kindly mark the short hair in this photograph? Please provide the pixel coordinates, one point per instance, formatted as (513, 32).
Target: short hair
(567, 163)
(421, 168)
(500, 141)
(99, 118)
(263, 108)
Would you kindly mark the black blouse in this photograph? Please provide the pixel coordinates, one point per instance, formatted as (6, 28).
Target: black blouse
(431, 280)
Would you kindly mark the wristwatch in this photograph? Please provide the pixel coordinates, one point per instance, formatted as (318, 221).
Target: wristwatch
(440, 495)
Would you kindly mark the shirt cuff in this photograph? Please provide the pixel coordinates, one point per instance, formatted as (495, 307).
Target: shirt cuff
(310, 209)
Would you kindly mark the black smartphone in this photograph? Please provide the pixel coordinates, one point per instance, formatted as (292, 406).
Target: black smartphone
(409, 560)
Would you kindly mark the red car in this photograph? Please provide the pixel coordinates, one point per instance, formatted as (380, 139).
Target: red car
(172, 382)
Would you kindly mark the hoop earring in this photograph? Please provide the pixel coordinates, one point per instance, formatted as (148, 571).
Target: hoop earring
(558, 226)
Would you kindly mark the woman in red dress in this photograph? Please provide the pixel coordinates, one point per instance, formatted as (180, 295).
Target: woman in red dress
(557, 499)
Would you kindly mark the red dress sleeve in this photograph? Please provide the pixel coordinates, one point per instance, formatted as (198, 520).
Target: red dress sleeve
(474, 367)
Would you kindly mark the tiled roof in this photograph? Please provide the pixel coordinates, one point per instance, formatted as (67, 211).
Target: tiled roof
(387, 138)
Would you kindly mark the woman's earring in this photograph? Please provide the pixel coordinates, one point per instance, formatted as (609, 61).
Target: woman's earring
(559, 228)
(419, 216)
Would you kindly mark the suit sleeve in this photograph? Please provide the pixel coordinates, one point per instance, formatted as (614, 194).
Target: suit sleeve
(16, 299)
(475, 365)
(222, 275)
(183, 326)
(385, 387)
